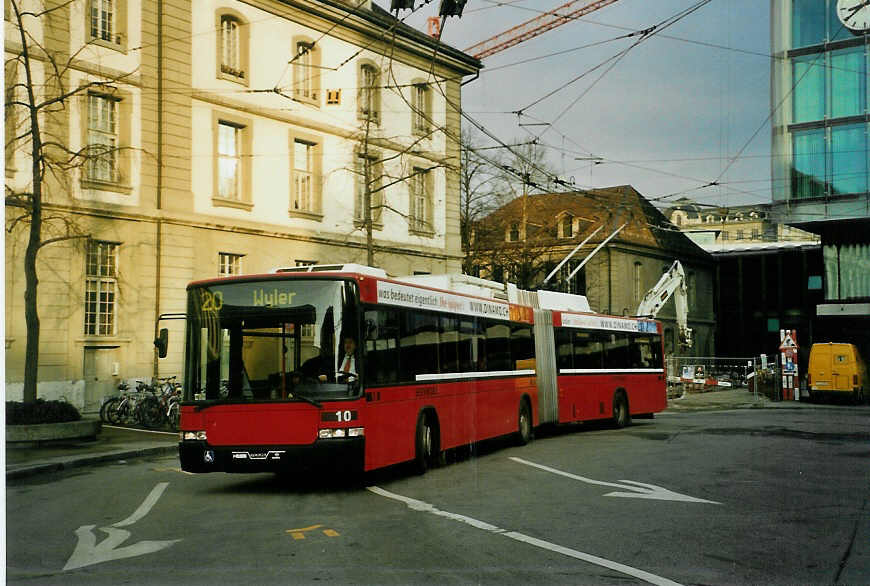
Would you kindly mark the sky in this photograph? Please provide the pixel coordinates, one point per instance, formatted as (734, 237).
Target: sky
(668, 118)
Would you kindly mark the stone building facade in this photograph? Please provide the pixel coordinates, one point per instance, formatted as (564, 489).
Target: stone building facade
(712, 225)
(528, 237)
(236, 136)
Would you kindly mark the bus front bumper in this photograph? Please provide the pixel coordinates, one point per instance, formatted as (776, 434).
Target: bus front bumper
(345, 454)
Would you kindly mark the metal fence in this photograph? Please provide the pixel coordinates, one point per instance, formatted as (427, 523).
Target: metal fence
(698, 374)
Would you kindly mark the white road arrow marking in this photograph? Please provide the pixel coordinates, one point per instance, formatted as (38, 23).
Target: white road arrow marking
(639, 490)
(88, 552)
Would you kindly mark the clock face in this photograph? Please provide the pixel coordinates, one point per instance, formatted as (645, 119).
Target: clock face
(854, 14)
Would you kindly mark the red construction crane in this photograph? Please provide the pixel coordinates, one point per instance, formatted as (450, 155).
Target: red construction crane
(534, 27)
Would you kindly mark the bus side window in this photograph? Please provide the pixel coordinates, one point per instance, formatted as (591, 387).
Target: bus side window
(588, 351)
(382, 348)
(564, 351)
(498, 347)
(467, 345)
(522, 347)
(616, 351)
(448, 344)
(419, 345)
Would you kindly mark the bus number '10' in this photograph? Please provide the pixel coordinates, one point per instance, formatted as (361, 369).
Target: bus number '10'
(339, 416)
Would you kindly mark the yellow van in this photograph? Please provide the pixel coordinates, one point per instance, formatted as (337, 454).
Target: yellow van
(836, 370)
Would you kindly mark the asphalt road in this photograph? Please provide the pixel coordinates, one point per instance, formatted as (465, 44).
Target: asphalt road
(735, 497)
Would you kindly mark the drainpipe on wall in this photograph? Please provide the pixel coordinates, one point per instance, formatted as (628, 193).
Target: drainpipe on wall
(159, 202)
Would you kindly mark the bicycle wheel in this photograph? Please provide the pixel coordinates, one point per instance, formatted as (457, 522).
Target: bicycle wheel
(150, 413)
(104, 408)
(174, 416)
(111, 408)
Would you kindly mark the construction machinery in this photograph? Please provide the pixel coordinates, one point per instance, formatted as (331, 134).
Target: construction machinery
(672, 283)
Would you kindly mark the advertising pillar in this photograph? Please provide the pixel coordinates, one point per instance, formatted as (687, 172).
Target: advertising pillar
(789, 359)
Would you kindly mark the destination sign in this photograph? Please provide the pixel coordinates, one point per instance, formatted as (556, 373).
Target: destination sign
(606, 322)
(405, 296)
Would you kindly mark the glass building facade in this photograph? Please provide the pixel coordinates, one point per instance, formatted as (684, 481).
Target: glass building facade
(819, 100)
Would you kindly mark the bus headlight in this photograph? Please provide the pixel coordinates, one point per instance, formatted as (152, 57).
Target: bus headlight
(193, 435)
(341, 432)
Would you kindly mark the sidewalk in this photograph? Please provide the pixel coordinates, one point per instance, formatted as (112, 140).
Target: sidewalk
(112, 444)
(730, 399)
(116, 443)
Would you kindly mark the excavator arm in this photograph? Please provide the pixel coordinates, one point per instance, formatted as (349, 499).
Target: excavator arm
(672, 283)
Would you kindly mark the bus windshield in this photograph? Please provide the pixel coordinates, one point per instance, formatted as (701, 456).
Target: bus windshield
(270, 340)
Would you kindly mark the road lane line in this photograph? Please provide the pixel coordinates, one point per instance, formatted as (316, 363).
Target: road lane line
(145, 507)
(424, 507)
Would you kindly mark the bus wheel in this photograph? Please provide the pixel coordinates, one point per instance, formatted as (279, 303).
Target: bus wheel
(621, 417)
(424, 444)
(524, 424)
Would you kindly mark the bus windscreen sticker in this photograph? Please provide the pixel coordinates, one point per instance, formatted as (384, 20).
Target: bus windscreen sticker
(395, 294)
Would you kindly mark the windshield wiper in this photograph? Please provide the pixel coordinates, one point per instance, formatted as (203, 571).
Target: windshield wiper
(308, 400)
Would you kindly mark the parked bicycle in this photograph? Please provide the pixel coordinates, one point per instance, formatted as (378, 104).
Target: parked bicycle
(152, 405)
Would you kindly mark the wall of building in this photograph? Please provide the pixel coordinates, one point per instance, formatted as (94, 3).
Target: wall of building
(759, 294)
(162, 213)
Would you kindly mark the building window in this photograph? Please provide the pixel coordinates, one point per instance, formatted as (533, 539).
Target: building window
(229, 264)
(420, 209)
(303, 178)
(306, 76)
(368, 96)
(808, 22)
(724, 235)
(566, 226)
(514, 232)
(101, 274)
(232, 47)
(103, 20)
(808, 73)
(808, 164)
(739, 234)
(231, 54)
(367, 172)
(638, 283)
(422, 108)
(848, 159)
(848, 82)
(229, 161)
(102, 139)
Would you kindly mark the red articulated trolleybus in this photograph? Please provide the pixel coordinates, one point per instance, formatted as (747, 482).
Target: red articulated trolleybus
(341, 365)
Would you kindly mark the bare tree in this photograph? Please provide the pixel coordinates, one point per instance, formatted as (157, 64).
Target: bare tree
(41, 102)
(383, 162)
(513, 247)
(479, 196)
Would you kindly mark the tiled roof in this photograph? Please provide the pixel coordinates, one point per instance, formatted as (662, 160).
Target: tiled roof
(611, 206)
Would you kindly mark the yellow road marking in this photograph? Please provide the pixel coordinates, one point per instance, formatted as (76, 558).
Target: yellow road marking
(300, 533)
(302, 530)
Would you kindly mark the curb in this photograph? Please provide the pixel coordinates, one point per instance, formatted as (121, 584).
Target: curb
(24, 436)
(35, 469)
